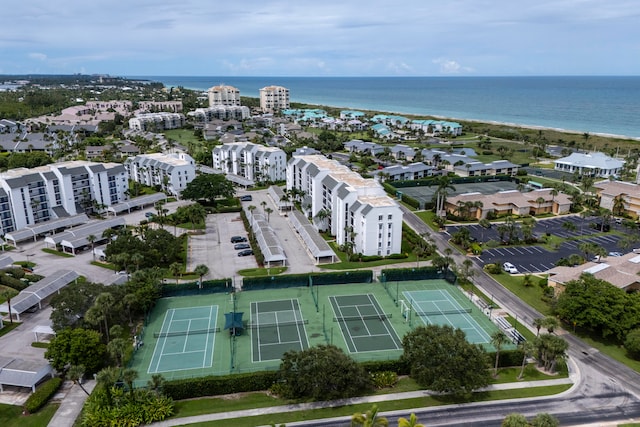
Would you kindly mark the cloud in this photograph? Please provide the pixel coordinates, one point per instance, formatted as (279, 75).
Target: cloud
(448, 66)
(37, 56)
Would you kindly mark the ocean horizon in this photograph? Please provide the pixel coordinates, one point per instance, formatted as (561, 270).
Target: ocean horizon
(604, 105)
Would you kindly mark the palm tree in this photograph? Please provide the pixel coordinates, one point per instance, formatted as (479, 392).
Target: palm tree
(8, 293)
(618, 206)
(129, 376)
(498, 339)
(411, 422)
(263, 204)
(550, 323)
(201, 270)
(569, 226)
(107, 377)
(268, 211)
(322, 216)
(75, 374)
(251, 208)
(527, 348)
(92, 239)
(539, 201)
(175, 269)
(538, 323)
(156, 383)
(369, 419)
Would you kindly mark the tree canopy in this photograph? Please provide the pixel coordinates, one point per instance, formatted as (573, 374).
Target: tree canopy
(208, 187)
(599, 306)
(322, 372)
(77, 347)
(441, 359)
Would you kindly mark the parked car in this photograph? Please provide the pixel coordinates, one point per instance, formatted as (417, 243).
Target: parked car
(242, 246)
(509, 268)
(238, 239)
(615, 253)
(149, 214)
(246, 252)
(246, 198)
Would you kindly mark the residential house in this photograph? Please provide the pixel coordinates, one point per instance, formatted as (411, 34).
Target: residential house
(363, 147)
(622, 272)
(409, 172)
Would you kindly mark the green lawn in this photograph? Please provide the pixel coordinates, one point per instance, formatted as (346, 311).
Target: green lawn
(58, 253)
(262, 271)
(428, 218)
(392, 405)
(532, 295)
(345, 264)
(11, 416)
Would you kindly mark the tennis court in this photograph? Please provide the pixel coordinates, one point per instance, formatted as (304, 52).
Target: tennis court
(276, 327)
(364, 325)
(424, 194)
(439, 307)
(185, 340)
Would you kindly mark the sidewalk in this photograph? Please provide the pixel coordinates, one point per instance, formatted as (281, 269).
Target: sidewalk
(71, 405)
(341, 402)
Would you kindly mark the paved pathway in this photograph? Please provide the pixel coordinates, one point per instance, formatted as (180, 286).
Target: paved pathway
(71, 405)
(342, 402)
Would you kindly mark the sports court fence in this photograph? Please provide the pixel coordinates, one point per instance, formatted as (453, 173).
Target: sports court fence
(195, 288)
(298, 280)
(459, 180)
(415, 274)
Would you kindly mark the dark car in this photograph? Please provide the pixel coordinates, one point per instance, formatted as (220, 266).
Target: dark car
(246, 252)
(246, 198)
(242, 246)
(238, 239)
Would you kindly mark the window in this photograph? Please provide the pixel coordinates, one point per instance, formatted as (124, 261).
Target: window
(390, 217)
(380, 218)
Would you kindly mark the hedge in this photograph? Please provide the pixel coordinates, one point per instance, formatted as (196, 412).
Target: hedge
(42, 394)
(217, 385)
(410, 201)
(295, 280)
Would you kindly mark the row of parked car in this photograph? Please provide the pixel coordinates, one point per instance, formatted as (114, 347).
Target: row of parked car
(240, 244)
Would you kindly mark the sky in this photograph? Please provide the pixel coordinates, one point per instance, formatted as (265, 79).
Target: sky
(320, 38)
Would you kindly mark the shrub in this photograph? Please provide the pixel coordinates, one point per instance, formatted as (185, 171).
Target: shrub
(493, 268)
(397, 256)
(42, 395)
(476, 249)
(384, 379)
(216, 385)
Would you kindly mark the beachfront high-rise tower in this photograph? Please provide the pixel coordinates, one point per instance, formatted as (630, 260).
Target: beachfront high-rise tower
(274, 98)
(224, 95)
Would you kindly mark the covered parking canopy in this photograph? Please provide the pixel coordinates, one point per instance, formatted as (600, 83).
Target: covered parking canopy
(39, 291)
(23, 373)
(74, 238)
(267, 239)
(316, 245)
(141, 201)
(280, 199)
(41, 228)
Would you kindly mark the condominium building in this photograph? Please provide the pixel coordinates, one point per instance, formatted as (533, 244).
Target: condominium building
(354, 209)
(156, 121)
(619, 197)
(169, 172)
(31, 196)
(251, 161)
(274, 98)
(224, 95)
(220, 112)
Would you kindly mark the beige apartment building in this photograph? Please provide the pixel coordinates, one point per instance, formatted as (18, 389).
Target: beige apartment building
(274, 98)
(224, 95)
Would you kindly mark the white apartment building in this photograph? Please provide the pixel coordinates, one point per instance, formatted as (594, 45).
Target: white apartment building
(220, 112)
(359, 211)
(156, 121)
(170, 172)
(31, 196)
(223, 95)
(251, 161)
(274, 98)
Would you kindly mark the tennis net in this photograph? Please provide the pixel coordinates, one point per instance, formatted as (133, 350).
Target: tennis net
(443, 312)
(278, 324)
(185, 333)
(382, 316)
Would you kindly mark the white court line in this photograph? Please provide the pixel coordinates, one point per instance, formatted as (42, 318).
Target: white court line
(339, 309)
(164, 342)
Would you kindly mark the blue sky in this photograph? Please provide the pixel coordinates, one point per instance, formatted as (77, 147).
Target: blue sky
(321, 38)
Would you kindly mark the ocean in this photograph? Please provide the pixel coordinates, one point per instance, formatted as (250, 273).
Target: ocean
(597, 105)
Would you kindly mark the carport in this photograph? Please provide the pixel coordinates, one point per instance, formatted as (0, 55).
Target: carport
(313, 241)
(138, 202)
(41, 228)
(23, 373)
(77, 238)
(277, 195)
(267, 239)
(39, 291)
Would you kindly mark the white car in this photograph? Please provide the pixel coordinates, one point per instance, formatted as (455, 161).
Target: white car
(509, 268)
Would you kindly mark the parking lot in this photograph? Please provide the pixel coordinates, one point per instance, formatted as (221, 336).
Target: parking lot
(535, 258)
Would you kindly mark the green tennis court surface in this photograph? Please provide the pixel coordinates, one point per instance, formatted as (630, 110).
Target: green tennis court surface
(186, 337)
(440, 307)
(276, 327)
(363, 323)
(186, 340)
